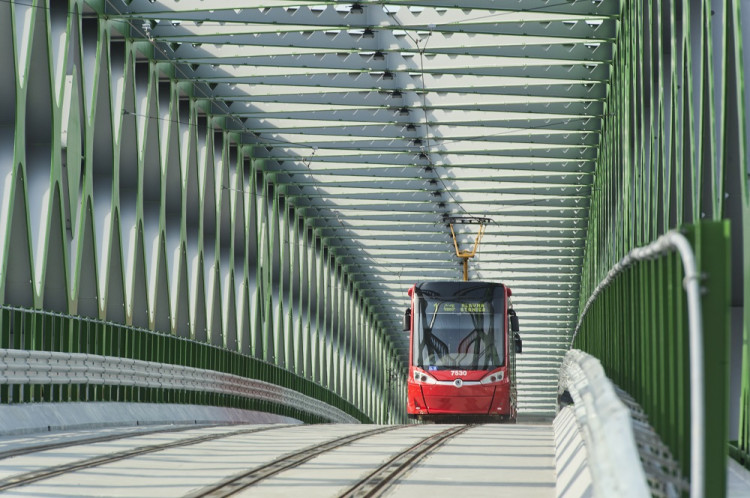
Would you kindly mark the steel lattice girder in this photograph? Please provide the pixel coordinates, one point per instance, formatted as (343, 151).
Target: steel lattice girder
(377, 121)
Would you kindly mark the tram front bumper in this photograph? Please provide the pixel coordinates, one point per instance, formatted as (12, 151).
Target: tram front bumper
(450, 400)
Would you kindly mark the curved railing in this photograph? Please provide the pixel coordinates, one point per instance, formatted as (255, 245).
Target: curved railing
(28, 368)
(54, 357)
(655, 342)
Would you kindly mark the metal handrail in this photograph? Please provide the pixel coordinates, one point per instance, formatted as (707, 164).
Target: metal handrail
(675, 241)
(26, 367)
(167, 335)
(99, 321)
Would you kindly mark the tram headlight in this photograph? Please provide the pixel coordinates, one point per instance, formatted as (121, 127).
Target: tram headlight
(492, 378)
(423, 378)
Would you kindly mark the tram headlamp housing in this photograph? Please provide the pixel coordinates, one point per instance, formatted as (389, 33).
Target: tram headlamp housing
(494, 377)
(423, 378)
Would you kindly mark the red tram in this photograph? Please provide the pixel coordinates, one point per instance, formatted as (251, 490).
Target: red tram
(464, 340)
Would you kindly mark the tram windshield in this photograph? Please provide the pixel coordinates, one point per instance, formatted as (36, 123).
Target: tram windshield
(459, 325)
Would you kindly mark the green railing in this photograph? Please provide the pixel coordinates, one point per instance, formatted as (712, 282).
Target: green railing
(674, 151)
(638, 328)
(43, 331)
(740, 449)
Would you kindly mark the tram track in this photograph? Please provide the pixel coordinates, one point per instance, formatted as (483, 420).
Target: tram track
(238, 482)
(37, 448)
(372, 485)
(46, 473)
(379, 481)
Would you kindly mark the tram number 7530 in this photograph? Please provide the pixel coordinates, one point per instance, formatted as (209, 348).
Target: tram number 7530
(457, 373)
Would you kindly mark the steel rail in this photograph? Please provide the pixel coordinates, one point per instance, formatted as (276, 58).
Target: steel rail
(38, 475)
(96, 439)
(384, 476)
(240, 481)
(675, 241)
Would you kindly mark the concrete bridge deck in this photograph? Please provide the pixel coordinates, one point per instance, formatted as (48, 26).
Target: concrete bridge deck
(482, 461)
(532, 458)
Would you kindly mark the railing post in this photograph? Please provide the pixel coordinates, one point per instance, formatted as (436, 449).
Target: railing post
(711, 242)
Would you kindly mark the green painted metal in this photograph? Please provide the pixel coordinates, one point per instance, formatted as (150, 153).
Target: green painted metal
(137, 225)
(674, 151)
(738, 150)
(378, 120)
(637, 328)
(714, 259)
(159, 211)
(162, 348)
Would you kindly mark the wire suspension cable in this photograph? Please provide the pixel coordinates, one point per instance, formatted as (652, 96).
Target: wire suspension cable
(675, 241)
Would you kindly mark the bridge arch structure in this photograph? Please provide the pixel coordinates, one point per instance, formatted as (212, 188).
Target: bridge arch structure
(225, 204)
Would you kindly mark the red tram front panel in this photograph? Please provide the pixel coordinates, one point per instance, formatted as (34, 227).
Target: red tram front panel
(455, 328)
(462, 393)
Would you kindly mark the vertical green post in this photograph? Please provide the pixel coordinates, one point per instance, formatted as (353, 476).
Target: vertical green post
(5, 327)
(713, 257)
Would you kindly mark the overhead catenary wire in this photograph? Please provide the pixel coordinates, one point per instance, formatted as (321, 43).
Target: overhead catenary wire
(427, 153)
(274, 141)
(146, 33)
(244, 128)
(314, 148)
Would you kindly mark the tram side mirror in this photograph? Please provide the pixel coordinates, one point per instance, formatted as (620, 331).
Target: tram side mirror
(513, 321)
(518, 343)
(407, 320)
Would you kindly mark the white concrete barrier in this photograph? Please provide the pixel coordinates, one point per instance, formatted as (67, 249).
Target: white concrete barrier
(28, 418)
(605, 427)
(571, 458)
